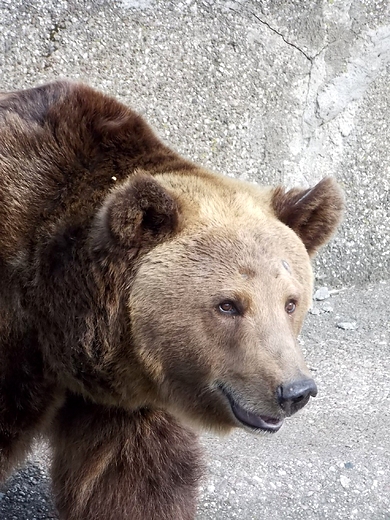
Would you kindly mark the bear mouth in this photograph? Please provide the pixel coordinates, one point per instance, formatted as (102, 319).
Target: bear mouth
(249, 419)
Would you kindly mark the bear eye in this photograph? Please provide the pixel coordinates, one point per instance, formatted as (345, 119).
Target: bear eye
(228, 308)
(290, 307)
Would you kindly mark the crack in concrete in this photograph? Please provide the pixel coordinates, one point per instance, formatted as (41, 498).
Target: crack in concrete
(291, 44)
(306, 104)
(311, 59)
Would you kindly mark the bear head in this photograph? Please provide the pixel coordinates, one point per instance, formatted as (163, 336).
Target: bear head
(218, 279)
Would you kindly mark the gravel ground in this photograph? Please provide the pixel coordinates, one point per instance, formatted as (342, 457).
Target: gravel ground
(331, 461)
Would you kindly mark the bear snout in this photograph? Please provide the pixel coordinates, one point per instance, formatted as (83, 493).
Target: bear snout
(295, 395)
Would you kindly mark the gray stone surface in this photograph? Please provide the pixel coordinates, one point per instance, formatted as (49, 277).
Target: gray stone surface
(273, 91)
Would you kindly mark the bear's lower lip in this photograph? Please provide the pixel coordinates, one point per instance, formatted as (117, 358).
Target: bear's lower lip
(251, 420)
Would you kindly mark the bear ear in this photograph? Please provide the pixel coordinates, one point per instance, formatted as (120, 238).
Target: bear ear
(136, 215)
(313, 213)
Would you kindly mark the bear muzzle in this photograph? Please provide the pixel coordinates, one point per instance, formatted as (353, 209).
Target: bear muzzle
(290, 397)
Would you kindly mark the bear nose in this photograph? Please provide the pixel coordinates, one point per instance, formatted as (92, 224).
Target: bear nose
(295, 395)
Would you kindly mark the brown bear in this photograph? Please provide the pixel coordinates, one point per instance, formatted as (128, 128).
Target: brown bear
(140, 295)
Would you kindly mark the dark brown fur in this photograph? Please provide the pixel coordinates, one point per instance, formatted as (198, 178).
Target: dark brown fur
(136, 465)
(109, 335)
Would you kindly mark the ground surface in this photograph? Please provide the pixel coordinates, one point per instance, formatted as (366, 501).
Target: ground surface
(271, 91)
(331, 461)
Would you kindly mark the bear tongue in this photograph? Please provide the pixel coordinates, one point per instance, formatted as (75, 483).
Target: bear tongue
(262, 422)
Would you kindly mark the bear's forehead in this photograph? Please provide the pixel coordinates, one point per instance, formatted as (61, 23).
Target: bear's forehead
(216, 262)
(247, 250)
(231, 224)
(218, 200)
(235, 207)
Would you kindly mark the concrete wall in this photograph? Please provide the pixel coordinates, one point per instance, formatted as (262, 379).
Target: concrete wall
(272, 91)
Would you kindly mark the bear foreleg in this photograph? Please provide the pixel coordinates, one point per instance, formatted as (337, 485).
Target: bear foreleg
(110, 464)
